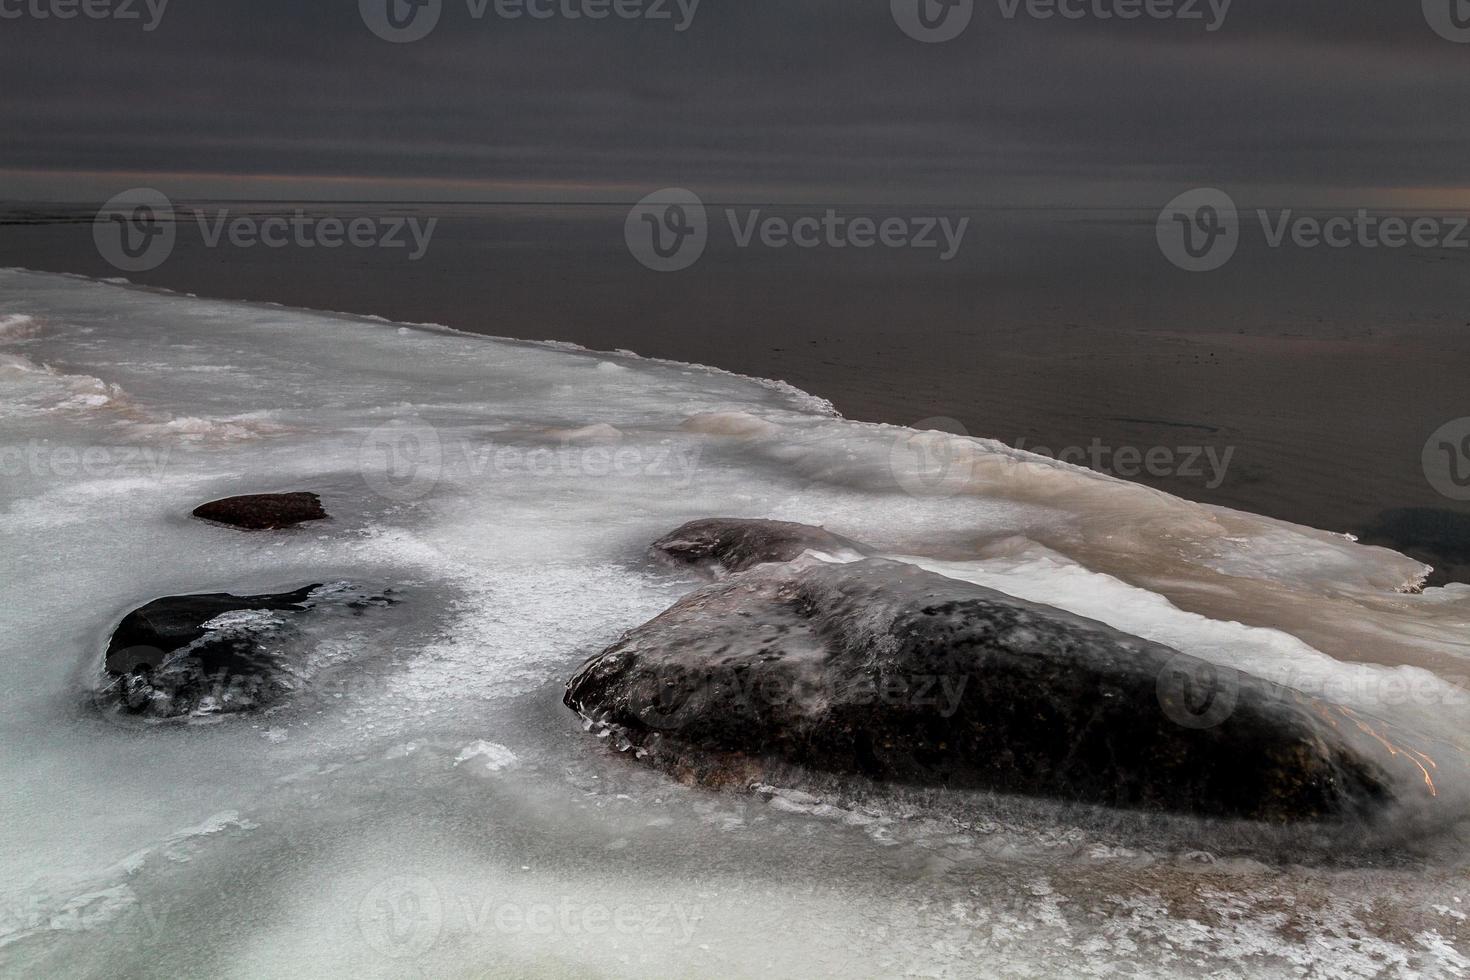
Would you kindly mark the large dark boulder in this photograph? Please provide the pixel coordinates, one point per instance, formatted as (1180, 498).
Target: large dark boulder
(216, 653)
(883, 670)
(724, 544)
(264, 511)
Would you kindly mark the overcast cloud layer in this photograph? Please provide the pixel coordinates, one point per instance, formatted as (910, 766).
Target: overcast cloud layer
(757, 99)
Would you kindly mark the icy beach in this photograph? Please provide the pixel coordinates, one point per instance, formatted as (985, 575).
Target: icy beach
(423, 804)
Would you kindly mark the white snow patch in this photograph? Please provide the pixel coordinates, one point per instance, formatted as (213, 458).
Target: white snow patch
(729, 424)
(496, 756)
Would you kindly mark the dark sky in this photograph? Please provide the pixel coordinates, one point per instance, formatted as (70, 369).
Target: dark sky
(1290, 101)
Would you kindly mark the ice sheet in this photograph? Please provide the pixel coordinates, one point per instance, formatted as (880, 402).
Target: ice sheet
(510, 490)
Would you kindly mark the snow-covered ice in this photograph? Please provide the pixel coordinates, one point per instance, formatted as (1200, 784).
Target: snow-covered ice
(436, 811)
(496, 757)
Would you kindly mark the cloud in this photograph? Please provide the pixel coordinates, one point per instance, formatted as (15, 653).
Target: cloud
(800, 99)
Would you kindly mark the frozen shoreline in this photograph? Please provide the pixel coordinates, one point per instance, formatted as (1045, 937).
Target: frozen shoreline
(519, 541)
(1053, 332)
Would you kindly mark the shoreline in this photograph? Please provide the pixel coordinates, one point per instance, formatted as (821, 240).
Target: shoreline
(1313, 388)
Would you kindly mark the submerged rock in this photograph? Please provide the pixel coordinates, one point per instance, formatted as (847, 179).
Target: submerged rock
(217, 653)
(736, 544)
(264, 511)
(883, 670)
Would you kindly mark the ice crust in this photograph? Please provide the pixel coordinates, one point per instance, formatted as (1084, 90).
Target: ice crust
(512, 489)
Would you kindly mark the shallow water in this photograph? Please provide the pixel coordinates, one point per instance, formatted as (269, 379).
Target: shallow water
(438, 812)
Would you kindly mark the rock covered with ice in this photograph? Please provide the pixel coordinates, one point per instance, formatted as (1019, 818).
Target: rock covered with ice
(264, 511)
(216, 653)
(733, 545)
(884, 670)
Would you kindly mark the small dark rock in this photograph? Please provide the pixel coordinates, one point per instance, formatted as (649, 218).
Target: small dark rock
(264, 511)
(736, 544)
(882, 670)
